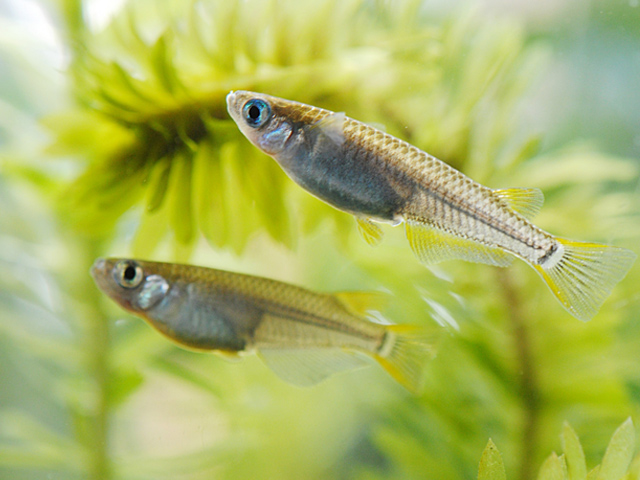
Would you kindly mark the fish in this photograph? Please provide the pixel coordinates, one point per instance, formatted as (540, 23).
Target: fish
(379, 178)
(301, 335)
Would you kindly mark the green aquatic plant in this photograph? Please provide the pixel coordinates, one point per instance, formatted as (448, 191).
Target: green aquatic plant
(158, 95)
(139, 156)
(616, 464)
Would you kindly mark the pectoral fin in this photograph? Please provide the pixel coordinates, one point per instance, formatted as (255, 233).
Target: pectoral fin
(432, 245)
(371, 232)
(305, 367)
(332, 126)
(526, 201)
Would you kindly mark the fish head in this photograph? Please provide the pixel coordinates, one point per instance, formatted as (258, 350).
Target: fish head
(260, 118)
(133, 284)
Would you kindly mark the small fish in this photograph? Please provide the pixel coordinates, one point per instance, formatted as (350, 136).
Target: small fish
(379, 178)
(301, 335)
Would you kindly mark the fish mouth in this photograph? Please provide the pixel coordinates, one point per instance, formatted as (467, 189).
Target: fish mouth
(232, 102)
(101, 273)
(235, 101)
(98, 267)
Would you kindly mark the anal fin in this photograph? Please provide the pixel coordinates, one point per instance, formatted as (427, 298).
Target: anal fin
(305, 367)
(432, 245)
(526, 201)
(371, 232)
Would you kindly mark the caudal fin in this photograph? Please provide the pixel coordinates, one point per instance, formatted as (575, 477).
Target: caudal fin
(581, 275)
(404, 355)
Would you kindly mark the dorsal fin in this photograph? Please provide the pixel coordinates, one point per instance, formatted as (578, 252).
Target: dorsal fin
(378, 126)
(332, 126)
(526, 201)
(359, 303)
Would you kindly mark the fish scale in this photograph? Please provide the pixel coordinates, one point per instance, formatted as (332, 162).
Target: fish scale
(380, 178)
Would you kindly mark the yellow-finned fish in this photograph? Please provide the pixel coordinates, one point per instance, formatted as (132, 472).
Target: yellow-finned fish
(379, 178)
(301, 335)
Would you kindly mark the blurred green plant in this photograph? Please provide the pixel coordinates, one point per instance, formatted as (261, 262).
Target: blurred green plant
(616, 464)
(147, 147)
(152, 127)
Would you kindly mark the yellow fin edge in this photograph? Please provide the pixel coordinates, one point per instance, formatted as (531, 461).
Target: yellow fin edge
(584, 274)
(407, 356)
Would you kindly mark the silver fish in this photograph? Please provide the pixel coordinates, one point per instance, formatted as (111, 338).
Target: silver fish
(301, 335)
(379, 178)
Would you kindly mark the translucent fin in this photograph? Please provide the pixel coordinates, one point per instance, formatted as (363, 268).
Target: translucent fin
(371, 232)
(378, 126)
(333, 127)
(306, 367)
(432, 246)
(359, 303)
(405, 353)
(582, 275)
(526, 201)
(229, 355)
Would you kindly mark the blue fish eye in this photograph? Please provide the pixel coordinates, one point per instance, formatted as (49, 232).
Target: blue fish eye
(256, 112)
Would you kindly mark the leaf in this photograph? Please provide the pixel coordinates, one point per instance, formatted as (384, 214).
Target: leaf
(163, 67)
(123, 384)
(181, 205)
(158, 183)
(43, 445)
(619, 452)
(634, 470)
(573, 453)
(594, 474)
(576, 165)
(491, 465)
(553, 468)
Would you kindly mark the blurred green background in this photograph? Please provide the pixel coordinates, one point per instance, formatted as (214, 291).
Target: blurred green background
(114, 140)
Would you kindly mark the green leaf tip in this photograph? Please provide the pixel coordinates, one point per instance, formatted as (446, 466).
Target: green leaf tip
(619, 453)
(491, 464)
(574, 455)
(554, 468)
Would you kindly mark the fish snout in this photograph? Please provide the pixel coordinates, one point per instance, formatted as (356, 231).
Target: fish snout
(232, 102)
(98, 268)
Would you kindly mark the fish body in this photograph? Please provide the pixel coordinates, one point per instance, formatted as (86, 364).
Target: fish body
(302, 335)
(379, 178)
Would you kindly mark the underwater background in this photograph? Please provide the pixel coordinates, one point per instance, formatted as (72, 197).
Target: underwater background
(115, 141)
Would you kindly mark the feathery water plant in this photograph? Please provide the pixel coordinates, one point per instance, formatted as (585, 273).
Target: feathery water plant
(156, 90)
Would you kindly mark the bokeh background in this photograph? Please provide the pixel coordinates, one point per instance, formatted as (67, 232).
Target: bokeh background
(114, 140)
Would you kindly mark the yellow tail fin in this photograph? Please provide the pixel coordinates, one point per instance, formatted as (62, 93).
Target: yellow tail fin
(581, 275)
(405, 353)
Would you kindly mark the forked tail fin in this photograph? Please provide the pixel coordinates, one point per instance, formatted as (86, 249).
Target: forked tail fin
(404, 354)
(581, 275)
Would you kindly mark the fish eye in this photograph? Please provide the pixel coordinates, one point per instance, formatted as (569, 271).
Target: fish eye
(128, 274)
(256, 112)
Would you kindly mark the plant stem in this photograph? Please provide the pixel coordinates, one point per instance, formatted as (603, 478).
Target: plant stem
(528, 381)
(99, 345)
(97, 351)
